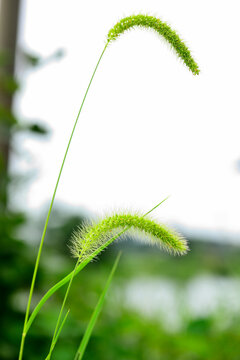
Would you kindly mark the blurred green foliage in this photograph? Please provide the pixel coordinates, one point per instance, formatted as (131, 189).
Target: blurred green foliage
(122, 332)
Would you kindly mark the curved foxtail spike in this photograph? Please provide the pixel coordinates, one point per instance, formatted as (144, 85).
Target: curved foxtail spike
(91, 237)
(161, 28)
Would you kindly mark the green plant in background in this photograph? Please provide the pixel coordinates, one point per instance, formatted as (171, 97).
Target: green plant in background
(89, 242)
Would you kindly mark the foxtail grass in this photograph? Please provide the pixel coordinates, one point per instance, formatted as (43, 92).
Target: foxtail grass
(90, 237)
(125, 24)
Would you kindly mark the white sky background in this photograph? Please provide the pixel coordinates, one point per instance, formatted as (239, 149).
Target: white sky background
(149, 128)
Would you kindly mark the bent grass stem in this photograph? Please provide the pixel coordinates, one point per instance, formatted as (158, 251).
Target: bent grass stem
(58, 326)
(49, 212)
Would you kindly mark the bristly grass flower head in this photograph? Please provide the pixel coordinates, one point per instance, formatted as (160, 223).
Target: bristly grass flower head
(151, 22)
(92, 236)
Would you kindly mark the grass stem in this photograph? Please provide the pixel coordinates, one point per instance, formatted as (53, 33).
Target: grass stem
(85, 339)
(49, 212)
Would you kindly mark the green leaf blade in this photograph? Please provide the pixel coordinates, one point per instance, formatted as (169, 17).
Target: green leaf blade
(96, 312)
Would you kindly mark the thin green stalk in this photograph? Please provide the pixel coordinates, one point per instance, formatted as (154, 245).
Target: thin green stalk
(61, 311)
(67, 278)
(96, 312)
(60, 329)
(49, 212)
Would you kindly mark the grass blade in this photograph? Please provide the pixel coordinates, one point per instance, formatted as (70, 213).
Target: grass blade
(96, 312)
(58, 333)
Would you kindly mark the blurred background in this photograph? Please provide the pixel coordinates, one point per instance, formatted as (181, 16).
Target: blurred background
(149, 129)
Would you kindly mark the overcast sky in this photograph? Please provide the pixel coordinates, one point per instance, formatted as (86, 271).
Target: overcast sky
(149, 128)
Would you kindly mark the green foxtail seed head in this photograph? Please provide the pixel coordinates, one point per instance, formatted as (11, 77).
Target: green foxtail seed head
(90, 237)
(146, 21)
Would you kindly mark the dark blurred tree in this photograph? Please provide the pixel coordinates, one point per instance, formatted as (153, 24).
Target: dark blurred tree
(11, 249)
(9, 14)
